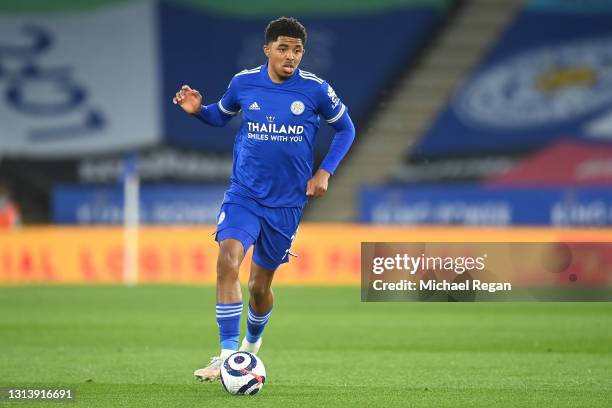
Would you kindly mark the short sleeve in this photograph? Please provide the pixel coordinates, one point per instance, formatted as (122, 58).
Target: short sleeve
(330, 106)
(229, 104)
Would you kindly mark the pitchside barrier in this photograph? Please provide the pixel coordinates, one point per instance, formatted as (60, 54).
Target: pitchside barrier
(327, 254)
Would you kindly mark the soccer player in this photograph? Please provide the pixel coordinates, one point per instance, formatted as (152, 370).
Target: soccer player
(272, 175)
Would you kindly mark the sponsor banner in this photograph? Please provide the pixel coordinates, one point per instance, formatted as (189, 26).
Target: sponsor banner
(565, 163)
(159, 204)
(484, 271)
(334, 52)
(452, 169)
(157, 164)
(73, 83)
(478, 205)
(547, 77)
(327, 254)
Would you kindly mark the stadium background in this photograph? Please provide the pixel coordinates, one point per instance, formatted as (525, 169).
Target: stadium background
(476, 121)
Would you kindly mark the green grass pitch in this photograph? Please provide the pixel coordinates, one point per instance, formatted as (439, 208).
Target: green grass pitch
(138, 347)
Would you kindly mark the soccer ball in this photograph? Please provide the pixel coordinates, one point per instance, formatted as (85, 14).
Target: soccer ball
(243, 373)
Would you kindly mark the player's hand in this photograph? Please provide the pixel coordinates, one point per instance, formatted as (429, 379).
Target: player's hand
(317, 185)
(188, 99)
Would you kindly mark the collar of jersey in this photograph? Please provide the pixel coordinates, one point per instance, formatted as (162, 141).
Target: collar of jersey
(266, 77)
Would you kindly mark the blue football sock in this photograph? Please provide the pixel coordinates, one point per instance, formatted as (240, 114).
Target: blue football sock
(256, 323)
(228, 319)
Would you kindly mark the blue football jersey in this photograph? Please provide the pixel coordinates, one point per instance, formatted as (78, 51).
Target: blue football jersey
(273, 150)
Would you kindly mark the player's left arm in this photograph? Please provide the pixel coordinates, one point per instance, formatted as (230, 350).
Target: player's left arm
(336, 114)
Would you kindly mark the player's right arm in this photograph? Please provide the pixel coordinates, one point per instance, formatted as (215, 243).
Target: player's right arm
(188, 99)
(216, 114)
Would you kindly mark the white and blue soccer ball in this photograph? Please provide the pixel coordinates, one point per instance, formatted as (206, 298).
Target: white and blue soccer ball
(243, 373)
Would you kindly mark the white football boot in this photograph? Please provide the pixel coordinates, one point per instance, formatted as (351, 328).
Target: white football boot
(252, 348)
(212, 372)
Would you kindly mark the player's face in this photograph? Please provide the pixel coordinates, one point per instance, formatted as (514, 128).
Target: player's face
(284, 56)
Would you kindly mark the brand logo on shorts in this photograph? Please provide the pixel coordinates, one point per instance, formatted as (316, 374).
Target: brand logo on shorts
(297, 107)
(221, 218)
(288, 250)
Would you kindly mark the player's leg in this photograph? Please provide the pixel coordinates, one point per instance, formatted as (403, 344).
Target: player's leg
(260, 306)
(260, 288)
(278, 228)
(237, 228)
(229, 296)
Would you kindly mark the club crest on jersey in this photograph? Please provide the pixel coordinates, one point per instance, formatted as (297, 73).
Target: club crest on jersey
(297, 107)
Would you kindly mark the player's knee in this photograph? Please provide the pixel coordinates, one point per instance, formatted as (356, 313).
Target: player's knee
(258, 290)
(228, 264)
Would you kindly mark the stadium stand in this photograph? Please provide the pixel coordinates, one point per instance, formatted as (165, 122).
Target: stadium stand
(413, 102)
(528, 131)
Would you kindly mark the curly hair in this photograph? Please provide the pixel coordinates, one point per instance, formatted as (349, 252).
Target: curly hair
(287, 27)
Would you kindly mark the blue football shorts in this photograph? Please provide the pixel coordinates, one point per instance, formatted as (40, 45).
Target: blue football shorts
(271, 230)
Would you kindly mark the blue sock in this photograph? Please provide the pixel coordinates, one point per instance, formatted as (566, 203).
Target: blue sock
(256, 323)
(228, 319)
